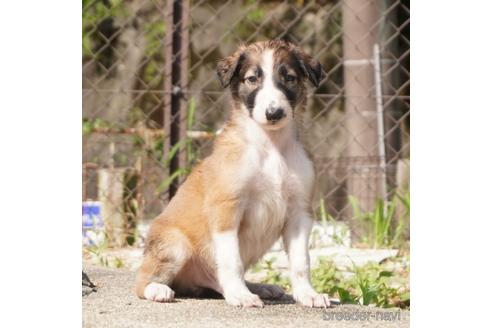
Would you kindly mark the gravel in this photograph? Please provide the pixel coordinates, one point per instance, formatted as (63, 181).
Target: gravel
(114, 304)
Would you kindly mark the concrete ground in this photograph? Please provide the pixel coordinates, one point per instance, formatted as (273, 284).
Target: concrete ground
(115, 304)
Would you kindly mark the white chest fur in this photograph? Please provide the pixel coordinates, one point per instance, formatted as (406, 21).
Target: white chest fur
(276, 183)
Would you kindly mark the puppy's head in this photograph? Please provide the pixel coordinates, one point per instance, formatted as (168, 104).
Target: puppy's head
(266, 79)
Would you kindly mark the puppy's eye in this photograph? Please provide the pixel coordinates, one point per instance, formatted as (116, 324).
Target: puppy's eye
(290, 78)
(252, 79)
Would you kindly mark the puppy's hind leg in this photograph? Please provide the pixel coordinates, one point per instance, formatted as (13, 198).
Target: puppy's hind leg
(159, 268)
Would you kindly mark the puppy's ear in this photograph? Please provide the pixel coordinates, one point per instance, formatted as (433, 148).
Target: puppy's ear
(228, 68)
(310, 67)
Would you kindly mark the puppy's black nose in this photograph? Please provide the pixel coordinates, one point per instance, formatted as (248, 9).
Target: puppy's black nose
(274, 114)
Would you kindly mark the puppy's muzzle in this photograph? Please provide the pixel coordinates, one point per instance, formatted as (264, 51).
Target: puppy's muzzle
(274, 114)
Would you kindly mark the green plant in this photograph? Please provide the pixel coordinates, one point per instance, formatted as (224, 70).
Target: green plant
(382, 226)
(88, 125)
(375, 286)
(97, 254)
(190, 151)
(273, 276)
(339, 235)
(93, 13)
(371, 284)
(326, 278)
(155, 32)
(404, 220)
(178, 147)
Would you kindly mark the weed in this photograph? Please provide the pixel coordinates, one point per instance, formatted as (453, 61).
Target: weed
(383, 227)
(97, 254)
(371, 285)
(191, 156)
(273, 276)
(340, 231)
(326, 278)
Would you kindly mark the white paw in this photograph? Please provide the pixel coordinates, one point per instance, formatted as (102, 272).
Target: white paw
(266, 291)
(244, 299)
(158, 292)
(309, 298)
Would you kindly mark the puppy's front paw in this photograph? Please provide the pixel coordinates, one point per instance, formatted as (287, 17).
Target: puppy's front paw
(158, 292)
(244, 299)
(310, 298)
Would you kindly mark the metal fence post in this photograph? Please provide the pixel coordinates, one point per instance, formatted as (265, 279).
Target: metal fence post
(175, 85)
(380, 121)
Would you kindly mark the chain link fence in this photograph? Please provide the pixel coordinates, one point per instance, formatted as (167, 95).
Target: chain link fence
(152, 103)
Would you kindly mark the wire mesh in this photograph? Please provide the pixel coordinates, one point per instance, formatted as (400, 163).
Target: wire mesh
(126, 128)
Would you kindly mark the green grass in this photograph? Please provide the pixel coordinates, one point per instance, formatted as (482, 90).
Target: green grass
(383, 227)
(340, 231)
(372, 285)
(273, 276)
(96, 254)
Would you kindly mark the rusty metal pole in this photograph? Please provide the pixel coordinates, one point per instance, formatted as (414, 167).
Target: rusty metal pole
(175, 85)
(168, 54)
(184, 58)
